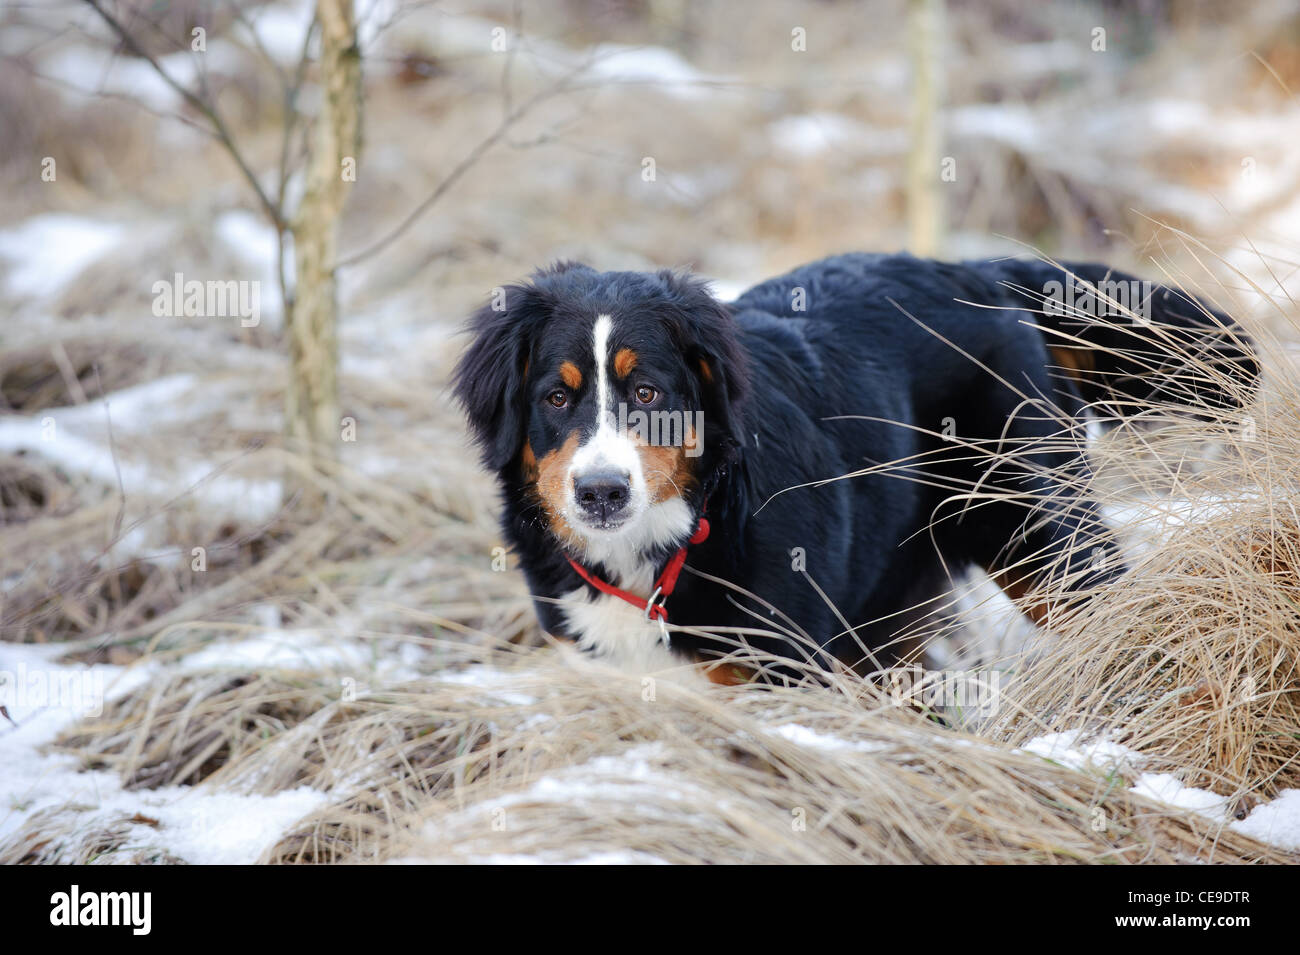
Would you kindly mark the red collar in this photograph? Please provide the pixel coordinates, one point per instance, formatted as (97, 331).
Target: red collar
(664, 586)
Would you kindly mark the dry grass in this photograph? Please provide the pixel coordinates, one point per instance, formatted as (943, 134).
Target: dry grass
(560, 759)
(1193, 658)
(697, 777)
(64, 837)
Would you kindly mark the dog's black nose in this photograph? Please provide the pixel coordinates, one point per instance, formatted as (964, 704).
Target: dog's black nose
(602, 495)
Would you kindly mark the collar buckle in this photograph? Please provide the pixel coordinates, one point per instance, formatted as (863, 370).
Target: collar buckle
(656, 610)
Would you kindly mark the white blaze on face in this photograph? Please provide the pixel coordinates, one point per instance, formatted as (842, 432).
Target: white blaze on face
(607, 449)
(600, 351)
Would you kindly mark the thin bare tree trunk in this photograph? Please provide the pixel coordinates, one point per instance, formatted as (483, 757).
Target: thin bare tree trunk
(924, 162)
(312, 401)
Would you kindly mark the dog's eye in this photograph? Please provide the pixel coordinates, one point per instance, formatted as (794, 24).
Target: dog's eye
(645, 394)
(558, 398)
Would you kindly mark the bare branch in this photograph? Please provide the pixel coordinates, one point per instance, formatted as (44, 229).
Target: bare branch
(250, 27)
(512, 118)
(63, 84)
(219, 128)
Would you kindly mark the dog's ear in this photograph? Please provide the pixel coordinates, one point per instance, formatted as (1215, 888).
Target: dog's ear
(490, 378)
(709, 341)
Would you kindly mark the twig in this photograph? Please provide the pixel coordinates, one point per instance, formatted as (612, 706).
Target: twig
(512, 118)
(219, 128)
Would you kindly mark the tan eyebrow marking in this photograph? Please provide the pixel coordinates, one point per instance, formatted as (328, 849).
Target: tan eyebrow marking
(570, 375)
(624, 362)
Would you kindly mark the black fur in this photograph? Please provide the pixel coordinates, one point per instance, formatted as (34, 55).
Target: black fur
(885, 358)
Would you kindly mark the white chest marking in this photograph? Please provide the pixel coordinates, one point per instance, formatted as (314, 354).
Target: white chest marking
(617, 632)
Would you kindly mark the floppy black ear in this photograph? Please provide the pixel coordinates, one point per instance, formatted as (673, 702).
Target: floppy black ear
(489, 378)
(713, 352)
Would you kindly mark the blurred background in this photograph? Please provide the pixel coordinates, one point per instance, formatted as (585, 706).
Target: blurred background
(152, 142)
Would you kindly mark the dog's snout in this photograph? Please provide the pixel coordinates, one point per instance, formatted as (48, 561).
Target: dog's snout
(602, 495)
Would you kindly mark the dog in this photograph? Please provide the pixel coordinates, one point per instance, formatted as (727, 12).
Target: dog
(804, 471)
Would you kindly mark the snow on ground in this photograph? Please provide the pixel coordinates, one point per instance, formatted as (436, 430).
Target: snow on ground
(221, 828)
(81, 71)
(143, 407)
(204, 825)
(252, 239)
(811, 739)
(811, 134)
(196, 824)
(44, 253)
(633, 783)
(386, 35)
(248, 500)
(1276, 822)
(495, 682)
(77, 440)
(277, 649)
(1170, 790)
(655, 66)
(207, 825)
(616, 781)
(1027, 130)
(1073, 751)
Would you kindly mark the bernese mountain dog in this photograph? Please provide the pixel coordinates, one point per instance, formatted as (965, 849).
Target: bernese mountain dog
(802, 474)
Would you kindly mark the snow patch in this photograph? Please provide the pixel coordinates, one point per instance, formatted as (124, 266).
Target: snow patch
(253, 241)
(141, 408)
(223, 828)
(1170, 790)
(1070, 749)
(653, 66)
(47, 252)
(811, 739)
(489, 678)
(811, 134)
(1276, 822)
(197, 824)
(278, 649)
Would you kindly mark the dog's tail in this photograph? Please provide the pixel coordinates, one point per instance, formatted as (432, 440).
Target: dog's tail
(1130, 344)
